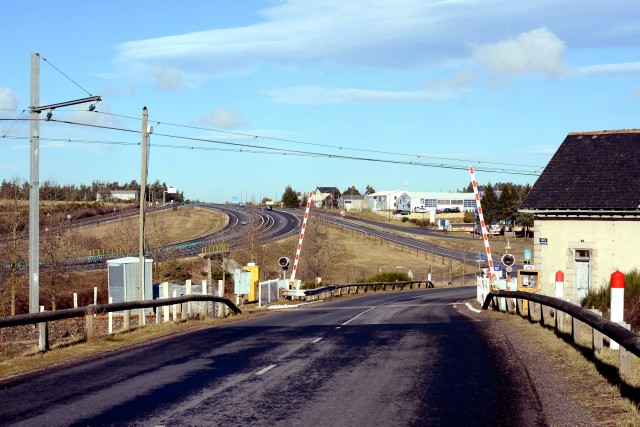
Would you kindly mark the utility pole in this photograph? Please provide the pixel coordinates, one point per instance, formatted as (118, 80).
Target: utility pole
(143, 188)
(34, 189)
(34, 178)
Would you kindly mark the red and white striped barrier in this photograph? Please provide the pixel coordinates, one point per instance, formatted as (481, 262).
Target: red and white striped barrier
(483, 227)
(292, 279)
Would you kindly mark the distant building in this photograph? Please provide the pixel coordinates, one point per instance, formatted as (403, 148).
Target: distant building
(586, 207)
(116, 195)
(412, 200)
(321, 194)
(382, 200)
(350, 202)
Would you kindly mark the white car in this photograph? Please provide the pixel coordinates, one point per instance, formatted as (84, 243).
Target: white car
(420, 209)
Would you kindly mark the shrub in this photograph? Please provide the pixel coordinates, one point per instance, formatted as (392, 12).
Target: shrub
(601, 299)
(405, 219)
(468, 217)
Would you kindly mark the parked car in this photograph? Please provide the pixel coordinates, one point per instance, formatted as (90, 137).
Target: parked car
(455, 210)
(269, 208)
(420, 209)
(396, 212)
(438, 211)
(405, 212)
(446, 210)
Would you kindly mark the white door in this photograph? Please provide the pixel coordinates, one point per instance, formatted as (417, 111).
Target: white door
(582, 278)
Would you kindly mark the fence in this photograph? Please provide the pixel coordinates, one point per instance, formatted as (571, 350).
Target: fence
(268, 292)
(628, 341)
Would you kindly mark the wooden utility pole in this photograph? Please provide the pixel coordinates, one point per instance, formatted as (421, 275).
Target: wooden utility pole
(143, 188)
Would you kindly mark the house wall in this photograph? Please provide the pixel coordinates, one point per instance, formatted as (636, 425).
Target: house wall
(610, 240)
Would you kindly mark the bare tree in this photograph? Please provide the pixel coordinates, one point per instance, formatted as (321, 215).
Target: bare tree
(13, 252)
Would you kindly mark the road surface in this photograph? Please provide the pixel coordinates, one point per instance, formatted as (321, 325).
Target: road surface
(395, 358)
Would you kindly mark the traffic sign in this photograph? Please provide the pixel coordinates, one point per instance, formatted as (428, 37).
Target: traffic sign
(481, 255)
(527, 254)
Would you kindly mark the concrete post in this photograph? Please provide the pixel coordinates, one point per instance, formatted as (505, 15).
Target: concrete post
(188, 286)
(219, 305)
(43, 331)
(88, 325)
(165, 294)
(75, 300)
(174, 307)
(126, 320)
(625, 357)
(575, 329)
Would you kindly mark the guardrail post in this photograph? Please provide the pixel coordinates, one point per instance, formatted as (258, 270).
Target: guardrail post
(542, 316)
(126, 320)
(174, 307)
(189, 291)
(575, 329)
(43, 332)
(220, 307)
(625, 356)
(165, 294)
(88, 324)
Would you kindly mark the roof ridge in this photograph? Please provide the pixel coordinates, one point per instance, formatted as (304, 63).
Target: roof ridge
(598, 132)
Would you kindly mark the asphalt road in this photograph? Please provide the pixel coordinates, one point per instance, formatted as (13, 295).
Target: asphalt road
(401, 358)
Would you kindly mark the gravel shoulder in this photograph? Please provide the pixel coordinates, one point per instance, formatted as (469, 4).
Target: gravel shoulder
(569, 388)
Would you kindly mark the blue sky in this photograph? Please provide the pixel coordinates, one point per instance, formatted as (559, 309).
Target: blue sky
(421, 88)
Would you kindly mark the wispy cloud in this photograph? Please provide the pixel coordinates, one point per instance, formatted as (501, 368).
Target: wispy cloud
(222, 118)
(8, 100)
(537, 52)
(318, 95)
(628, 68)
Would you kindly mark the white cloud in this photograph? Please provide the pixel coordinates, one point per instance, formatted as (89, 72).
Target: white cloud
(537, 52)
(317, 95)
(388, 34)
(221, 117)
(8, 99)
(628, 68)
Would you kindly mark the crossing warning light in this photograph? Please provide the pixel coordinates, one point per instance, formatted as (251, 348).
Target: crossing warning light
(283, 262)
(508, 260)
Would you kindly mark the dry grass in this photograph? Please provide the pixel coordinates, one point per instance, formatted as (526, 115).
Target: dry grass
(598, 383)
(185, 223)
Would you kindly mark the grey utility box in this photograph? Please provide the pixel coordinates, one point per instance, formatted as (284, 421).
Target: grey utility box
(123, 279)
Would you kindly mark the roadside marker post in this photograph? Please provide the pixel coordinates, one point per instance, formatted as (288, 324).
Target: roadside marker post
(617, 302)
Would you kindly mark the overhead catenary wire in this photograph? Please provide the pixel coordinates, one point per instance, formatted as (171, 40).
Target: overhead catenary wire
(259, 149)
(294, 141)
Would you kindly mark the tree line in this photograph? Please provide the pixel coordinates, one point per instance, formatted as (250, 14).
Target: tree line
(17, 188)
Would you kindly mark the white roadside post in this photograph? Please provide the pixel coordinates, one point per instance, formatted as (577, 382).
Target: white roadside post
(110, 316)
(165, 308)
(617, 302)
(188, 286)
(560, 295)
(174, 307)
(75, 300)
(220, 293)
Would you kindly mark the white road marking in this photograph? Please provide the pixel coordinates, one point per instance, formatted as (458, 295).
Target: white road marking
(316, 340)
(475, 310)
(337, 327)
(264, 370)
(356, 316)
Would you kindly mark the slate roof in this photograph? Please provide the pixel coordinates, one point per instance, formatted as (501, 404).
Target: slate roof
(325, 190)
(591, 171)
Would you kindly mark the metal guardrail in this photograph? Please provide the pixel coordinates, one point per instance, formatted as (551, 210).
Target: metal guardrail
(70, 313)
(340, 287)
(627, 340)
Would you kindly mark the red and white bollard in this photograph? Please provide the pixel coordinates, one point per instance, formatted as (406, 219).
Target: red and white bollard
(559, 284)
(617, 302)
(559, 293)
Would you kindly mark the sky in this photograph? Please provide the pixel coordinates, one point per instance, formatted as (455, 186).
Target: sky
(247, 97)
